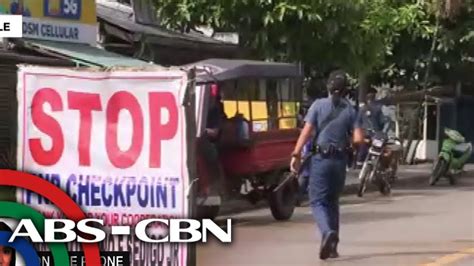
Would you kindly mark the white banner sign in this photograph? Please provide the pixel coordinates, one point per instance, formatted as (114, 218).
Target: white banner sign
(114, 141)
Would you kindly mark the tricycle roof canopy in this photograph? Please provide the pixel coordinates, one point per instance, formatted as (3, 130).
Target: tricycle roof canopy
(228, 69)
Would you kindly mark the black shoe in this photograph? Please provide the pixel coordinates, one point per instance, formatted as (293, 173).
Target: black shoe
(327, 245)
(334, 254)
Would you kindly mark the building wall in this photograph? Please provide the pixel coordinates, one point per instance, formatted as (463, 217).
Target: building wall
(426, 151)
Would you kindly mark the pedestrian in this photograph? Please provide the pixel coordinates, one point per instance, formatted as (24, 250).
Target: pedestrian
(332, 119)
(208, 145)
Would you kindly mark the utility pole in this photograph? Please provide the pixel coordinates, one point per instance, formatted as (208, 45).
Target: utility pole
(427, 74)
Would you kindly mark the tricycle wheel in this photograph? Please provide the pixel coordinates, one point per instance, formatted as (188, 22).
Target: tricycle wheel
(283, 201)
(208, 212)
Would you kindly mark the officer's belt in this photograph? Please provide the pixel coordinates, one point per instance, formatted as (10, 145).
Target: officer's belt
(330, 150)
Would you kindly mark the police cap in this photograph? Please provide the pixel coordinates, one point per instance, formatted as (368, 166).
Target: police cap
(337, 81)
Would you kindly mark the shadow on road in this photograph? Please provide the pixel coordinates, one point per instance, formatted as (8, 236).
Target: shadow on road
(405, 188)
(372, 216)
(371, 256)
(261, 220)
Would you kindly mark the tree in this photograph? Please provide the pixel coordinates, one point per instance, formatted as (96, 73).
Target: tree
(357, 35)
(442, 58)
(450, 52)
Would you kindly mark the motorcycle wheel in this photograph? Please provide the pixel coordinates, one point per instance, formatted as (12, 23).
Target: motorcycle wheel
(364, 174)
(394, 170)
(385, 188)
(440, 168)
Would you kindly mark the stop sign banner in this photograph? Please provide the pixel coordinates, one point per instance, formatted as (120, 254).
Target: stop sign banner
(115, 142)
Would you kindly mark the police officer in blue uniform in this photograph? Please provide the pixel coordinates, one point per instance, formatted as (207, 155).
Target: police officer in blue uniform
(333, 120)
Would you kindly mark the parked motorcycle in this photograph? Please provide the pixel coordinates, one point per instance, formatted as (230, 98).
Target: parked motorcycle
(381, 164)
(455, 152)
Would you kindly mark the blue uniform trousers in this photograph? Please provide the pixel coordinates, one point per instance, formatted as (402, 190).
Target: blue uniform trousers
(326, 183)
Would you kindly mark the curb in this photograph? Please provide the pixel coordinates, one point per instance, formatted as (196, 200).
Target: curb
(352, 189)
(239, 206)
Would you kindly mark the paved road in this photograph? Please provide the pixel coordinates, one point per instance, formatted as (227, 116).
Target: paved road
(417, 225)
(407, 174)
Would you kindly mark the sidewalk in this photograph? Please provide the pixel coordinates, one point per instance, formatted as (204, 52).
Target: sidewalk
(407, 174)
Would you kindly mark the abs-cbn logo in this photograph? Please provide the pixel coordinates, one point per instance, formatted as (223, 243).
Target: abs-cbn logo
(30, 232)
(90, 231)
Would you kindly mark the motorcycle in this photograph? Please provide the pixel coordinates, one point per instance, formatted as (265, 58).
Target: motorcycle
(381, 164)
(455, 152)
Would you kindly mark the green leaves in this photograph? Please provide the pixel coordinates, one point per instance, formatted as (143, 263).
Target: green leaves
(268, 19)
(469, 37)
(300, 14)
(280, 11)
(360, 35)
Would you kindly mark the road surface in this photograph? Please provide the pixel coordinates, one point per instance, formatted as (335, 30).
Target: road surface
(417, 225)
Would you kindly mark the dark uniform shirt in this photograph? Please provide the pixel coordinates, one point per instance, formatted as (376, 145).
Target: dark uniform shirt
(337, 132)
(215, 118)
(372, 117)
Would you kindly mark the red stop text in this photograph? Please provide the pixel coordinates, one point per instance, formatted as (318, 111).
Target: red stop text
(85, 104)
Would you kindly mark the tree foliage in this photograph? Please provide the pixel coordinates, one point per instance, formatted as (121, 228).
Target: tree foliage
(363, 36)
(453, 55)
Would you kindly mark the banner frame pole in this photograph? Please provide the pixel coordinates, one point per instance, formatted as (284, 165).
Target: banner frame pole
(190, 117)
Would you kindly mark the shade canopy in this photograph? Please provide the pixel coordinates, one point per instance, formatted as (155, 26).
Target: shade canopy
(83, 54)
(212, 70)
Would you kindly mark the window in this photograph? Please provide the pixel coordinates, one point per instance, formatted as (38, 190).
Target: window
(268, 104)
(288, 103)
(245, 89)
(228, 91)
(247, 97)
(259, 107)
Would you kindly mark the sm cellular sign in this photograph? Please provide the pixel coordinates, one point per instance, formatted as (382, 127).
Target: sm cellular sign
(114, 141)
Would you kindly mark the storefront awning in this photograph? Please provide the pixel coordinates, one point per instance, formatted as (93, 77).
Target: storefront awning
(83, 54)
